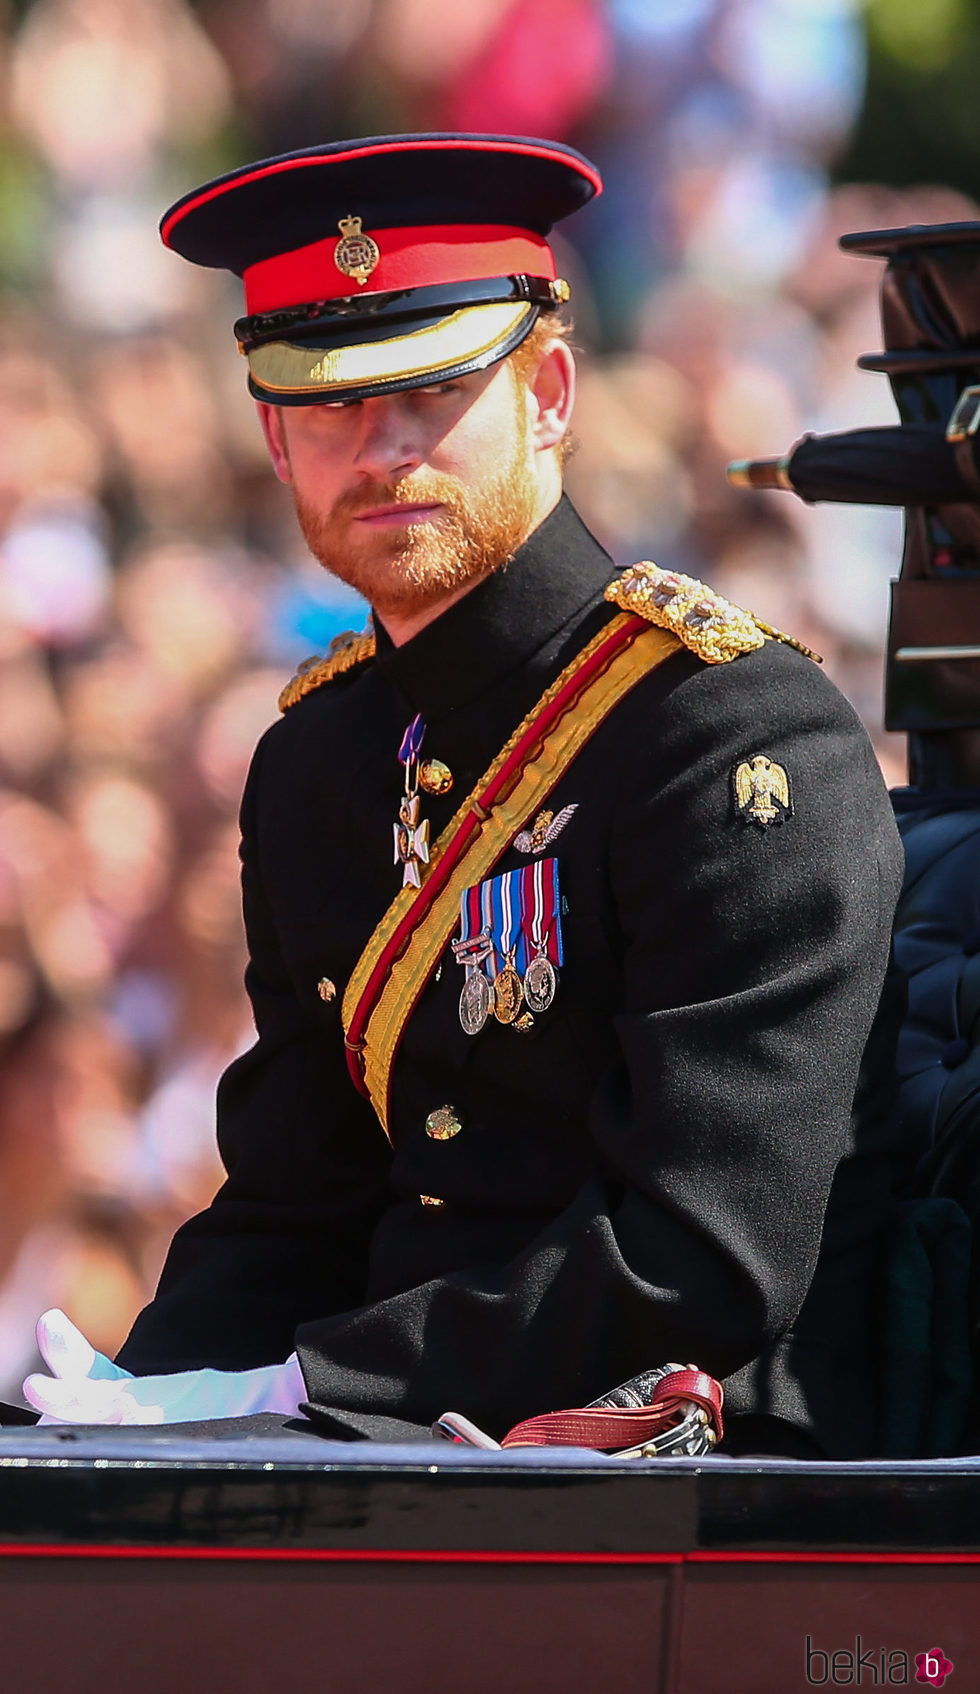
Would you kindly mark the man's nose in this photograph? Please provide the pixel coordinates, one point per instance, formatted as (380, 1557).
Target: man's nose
(389, 446)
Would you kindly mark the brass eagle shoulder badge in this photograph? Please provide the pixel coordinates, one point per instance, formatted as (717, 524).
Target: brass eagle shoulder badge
(761, 791)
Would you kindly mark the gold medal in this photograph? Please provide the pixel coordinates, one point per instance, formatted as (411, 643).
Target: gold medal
(476, 1002)
(508, 994)
(540, 983)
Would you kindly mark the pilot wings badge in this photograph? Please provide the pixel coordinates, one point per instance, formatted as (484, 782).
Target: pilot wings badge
(545, 829)
(761, 791)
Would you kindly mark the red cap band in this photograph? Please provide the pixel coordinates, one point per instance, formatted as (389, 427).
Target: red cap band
(410, 258)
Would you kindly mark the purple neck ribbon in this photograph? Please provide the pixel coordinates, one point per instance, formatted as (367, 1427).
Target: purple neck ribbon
(412, 740)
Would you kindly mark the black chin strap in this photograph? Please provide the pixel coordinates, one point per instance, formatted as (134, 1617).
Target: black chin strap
(400, 305)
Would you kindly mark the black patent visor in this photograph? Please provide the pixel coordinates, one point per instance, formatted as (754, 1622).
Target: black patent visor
(337, 318)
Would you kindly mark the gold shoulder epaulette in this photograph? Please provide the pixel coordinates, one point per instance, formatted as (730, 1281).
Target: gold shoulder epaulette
(344, 652)
(711, 626)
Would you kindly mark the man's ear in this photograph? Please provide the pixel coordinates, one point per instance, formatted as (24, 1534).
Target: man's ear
(274, 429)
(552, 393)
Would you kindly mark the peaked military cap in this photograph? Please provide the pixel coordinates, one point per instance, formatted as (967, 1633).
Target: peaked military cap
(386, 263)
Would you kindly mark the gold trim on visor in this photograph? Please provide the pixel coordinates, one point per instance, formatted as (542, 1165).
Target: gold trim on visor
(474, 331)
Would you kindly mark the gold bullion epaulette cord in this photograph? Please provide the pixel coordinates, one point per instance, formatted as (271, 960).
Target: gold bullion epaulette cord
(711, 626)
(344, 652)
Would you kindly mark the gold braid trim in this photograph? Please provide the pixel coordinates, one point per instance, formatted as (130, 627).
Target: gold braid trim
(709, 625)
(345, 652)
(532, 785)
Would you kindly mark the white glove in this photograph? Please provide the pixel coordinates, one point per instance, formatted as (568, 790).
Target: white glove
(86, 1387)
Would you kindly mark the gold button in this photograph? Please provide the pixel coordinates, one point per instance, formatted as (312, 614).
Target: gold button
(435, 777)
(430, 1200)
(442, 1124)
(326, 989)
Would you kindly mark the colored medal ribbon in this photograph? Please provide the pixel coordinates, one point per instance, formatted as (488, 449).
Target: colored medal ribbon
(474, 947)
(508, 989)
(511, 924)
(540, 976)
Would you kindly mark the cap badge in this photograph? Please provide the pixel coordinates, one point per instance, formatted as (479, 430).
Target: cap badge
(355, 253)
(761, 791)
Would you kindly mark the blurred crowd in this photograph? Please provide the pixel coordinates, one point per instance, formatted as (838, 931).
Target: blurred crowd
(154, 592)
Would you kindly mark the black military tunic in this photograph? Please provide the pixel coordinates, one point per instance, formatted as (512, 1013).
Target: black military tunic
(644, 1175)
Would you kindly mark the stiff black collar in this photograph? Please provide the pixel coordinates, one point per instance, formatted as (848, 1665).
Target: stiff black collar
(504, 622)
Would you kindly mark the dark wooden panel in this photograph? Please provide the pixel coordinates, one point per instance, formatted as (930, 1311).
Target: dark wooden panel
(74, 1627)
(745, 1629)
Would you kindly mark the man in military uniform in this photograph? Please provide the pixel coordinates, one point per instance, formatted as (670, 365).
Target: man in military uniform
(574, 1086)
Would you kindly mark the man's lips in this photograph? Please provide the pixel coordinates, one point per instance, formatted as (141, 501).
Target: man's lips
(379, 516)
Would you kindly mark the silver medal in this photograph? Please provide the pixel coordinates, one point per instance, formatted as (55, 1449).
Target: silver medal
(475, 1002)
(540, 983)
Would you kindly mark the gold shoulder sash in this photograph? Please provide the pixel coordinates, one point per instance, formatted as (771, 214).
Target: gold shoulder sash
(397, 962)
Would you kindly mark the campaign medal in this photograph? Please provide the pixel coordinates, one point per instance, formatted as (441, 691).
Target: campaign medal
(508, 989)
(476, 995)
(411, 830)
(510, 944)
(508, 993)
(540, 983)
(541, 977)
(476, 1002)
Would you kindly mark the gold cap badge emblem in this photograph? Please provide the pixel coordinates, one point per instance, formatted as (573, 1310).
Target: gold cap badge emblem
(355, 253)
(761, 791)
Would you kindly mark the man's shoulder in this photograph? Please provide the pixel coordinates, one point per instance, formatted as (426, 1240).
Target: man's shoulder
(346, 654)
(331, 704)
(776, 681)
(694, 726)
(730, 661)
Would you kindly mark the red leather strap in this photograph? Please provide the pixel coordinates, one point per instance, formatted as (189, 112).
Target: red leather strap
(608, 1427)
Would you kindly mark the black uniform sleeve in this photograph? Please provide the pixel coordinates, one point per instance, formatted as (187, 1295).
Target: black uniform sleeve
(754, 957)
(286, 1236)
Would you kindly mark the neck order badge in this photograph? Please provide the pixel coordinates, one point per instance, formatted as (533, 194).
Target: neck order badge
(411, 830)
